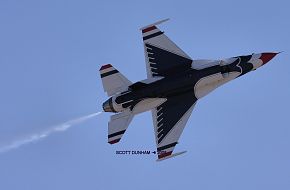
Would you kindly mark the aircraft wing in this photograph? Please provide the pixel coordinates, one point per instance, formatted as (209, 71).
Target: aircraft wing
(169, 120)
(163, 57)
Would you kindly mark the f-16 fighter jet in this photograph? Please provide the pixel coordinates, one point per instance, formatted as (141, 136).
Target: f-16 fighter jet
(174, 84)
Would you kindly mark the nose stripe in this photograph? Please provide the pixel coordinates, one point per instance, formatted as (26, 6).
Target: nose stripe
(266, 57)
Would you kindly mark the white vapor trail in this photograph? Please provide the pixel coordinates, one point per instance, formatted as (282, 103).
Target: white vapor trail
(43, 134)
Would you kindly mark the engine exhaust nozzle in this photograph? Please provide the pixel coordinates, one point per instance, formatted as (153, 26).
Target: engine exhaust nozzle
(108, 106)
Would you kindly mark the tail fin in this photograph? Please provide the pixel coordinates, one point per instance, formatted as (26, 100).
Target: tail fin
(113, 81)
(118, 126)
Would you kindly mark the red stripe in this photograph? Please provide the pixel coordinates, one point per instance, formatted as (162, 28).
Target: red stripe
(114, 141)
(266, 57)
(105, 67)
(148, 29)
(164, 154)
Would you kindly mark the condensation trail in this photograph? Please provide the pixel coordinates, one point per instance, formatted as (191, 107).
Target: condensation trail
(43, 134)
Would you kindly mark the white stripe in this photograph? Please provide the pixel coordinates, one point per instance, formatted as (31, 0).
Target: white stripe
(160, 125)
(107, 70)
(115, 137)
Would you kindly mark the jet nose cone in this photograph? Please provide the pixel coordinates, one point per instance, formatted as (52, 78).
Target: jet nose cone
(266, 57)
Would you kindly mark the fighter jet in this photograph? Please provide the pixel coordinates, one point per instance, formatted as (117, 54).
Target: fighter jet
(174, 84)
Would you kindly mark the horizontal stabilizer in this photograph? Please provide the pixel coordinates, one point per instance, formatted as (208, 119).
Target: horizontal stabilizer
(170, 156)
(118, 125)
(113, 81)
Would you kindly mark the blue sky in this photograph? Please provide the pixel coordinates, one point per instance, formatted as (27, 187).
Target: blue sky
(238, 137)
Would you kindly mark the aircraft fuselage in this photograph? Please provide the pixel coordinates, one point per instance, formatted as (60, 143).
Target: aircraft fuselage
(200, 81)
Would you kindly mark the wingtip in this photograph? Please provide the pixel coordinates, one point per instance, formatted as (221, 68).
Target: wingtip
(106, 66)
(170, 156)
(114, 141)
(154, 24)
